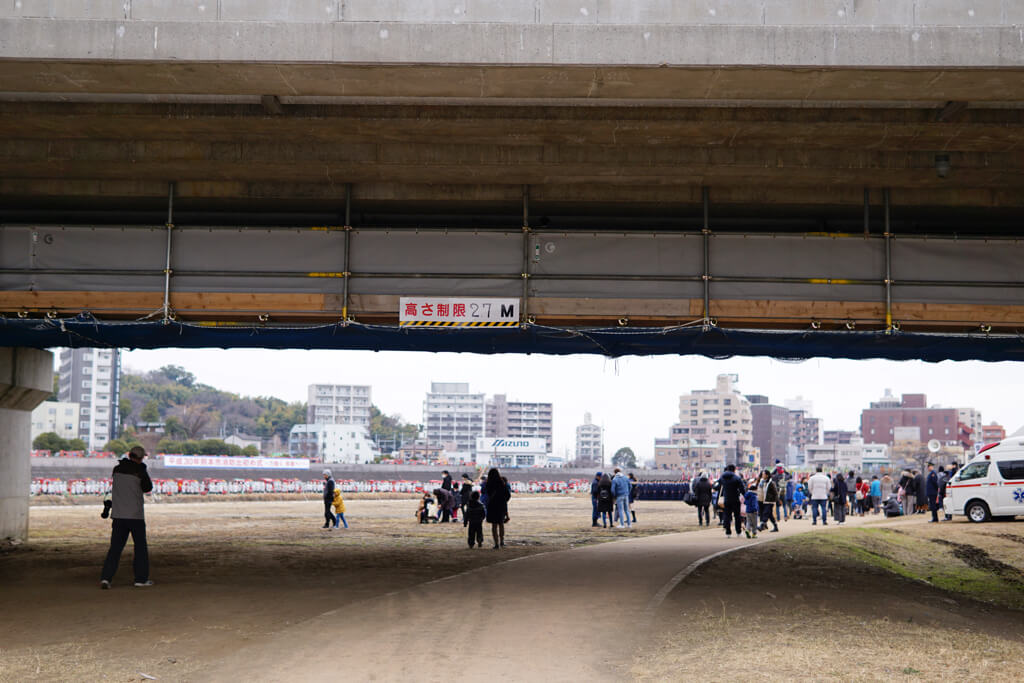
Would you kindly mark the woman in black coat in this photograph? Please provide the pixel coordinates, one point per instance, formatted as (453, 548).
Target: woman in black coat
(605, 499)
(497, 506)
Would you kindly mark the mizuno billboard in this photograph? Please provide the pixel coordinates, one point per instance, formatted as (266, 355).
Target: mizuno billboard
(511, 445)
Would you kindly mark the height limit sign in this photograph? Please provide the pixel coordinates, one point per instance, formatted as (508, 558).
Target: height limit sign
(431, 311)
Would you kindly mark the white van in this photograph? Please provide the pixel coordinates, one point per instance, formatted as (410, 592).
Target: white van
(991, 484)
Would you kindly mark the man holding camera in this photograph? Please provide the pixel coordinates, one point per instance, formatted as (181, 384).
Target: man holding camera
(129, 481)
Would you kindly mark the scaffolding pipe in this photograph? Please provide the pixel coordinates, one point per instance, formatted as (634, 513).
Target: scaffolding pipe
(565, 232)
(346, 274)
(867, 212)
(577, 277)
(888, 264)
(167, 264)
(524, 305)
(706, 277)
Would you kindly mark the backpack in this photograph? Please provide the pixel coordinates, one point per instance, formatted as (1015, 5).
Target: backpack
(604, 494)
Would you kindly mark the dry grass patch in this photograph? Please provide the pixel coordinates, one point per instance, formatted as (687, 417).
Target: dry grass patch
(853, 604)
(823, 645)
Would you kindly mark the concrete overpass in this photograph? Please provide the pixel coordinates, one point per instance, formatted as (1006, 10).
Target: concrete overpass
(847, 170)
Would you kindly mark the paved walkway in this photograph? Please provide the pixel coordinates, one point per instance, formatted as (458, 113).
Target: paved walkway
(559, 616)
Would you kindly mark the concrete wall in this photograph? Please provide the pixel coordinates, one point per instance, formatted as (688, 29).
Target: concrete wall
(919, 33)
(905, 13)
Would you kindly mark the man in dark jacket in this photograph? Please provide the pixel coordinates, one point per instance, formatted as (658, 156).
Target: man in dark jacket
(445, 502)
(921, 486)
(328, 500)
(129, 481)
(702, 492)
(446, 483)
(594, 491)
(943, 477)
(839, 495)
(909, 484)
(466, 492)
(932, 491)
(851, 490)
(731, 490)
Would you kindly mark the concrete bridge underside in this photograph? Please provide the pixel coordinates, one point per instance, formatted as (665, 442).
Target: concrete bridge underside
(649, 148)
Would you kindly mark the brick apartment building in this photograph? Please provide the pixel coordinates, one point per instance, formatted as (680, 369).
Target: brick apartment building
(878, 422)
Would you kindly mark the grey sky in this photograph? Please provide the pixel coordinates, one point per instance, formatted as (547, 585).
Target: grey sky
(635, 398)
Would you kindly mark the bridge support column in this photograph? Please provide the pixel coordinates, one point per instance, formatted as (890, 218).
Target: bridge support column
(26, 378)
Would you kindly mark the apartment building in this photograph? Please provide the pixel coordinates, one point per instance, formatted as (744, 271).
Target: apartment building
(839, 436)
(879, 421)
(806, 430)
(91, 378)
(54, 416)
(719, 415)
(332, 443)
(589, 443)
(970, 418)
(834, 456)
(993, 432)
(453, 417)
(517, 419)
(771, 433)
(680, 451)
(338, 404)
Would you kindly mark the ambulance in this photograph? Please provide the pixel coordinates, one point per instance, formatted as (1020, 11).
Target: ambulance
(991, 484)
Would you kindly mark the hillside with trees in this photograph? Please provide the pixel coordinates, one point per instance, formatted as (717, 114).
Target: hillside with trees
(196, 415)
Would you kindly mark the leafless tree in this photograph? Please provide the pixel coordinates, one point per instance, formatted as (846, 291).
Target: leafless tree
(195, 417)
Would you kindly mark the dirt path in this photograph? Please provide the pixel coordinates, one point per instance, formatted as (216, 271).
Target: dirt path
(558, 616)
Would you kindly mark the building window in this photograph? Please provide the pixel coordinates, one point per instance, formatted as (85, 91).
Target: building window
(86, 384)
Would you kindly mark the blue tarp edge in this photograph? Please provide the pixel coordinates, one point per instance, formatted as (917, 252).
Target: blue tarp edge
(86, 331)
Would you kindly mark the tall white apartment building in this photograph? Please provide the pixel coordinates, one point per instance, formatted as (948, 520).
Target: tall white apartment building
(719, 414)
(589, 443)
(329, 404)
(54, 416)
(91, 378)
(452, 415)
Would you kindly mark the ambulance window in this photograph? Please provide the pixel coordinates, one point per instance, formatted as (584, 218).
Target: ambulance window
(975, 470)
(1012, 470)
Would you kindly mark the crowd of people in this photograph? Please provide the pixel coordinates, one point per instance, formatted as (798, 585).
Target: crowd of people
(486, 501)
(754, 502)
(612, 499)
